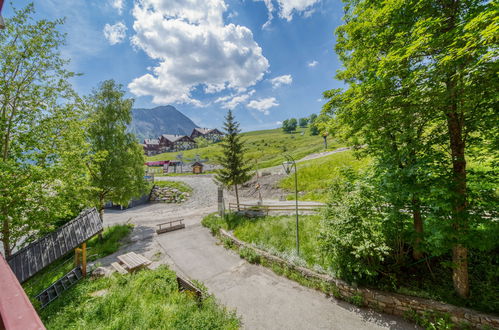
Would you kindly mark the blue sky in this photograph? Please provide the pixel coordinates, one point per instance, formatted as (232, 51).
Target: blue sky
(267, 60)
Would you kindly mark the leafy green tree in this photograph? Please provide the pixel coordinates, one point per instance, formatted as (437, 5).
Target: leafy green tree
(293, 124)
(420, 93)
(42, 143)
(312, 118)
(116, 162)
(235, 169)
(303, 122)
(314, 129)
(202, 142)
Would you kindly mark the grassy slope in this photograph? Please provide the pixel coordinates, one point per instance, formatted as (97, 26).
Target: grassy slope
(315, 175)
(111, 242)
(267, 147)
(148, 299)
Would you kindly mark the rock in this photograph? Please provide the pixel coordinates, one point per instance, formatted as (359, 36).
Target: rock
(101, 272)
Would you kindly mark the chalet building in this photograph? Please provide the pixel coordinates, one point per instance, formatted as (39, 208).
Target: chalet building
(151, 146)
(169, 142)
(210, 134)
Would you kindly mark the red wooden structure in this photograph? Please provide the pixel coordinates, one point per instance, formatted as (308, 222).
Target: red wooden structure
(16, 311)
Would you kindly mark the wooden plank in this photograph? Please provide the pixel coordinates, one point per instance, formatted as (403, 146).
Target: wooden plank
(119, 268)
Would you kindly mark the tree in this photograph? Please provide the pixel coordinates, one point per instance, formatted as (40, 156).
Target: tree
(116, 162)
(312, 118)
(235, 169)
(42, 179)
(420, 93)
(303, 122)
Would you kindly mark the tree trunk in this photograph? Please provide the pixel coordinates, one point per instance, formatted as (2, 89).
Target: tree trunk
(237, 197)
(6, 236)
(418, 228)
(459, 191)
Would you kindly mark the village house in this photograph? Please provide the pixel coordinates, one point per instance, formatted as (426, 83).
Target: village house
(169, 142)
(151, 146)
(210, 134)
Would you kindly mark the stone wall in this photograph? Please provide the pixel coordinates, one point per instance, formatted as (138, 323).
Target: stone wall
(168, 195)
(387, 302)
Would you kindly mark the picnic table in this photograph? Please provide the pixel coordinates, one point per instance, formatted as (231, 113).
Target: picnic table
(130, 262)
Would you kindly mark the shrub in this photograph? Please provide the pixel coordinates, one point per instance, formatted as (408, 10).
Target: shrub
(250, 255)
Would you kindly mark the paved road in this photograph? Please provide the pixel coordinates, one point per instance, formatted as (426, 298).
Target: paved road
(263, 299)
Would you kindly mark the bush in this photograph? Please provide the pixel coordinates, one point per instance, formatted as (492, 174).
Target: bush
(352, 238)
(250, 255)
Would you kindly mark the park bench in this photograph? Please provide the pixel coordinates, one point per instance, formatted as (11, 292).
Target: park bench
(119, 268)
(186, 285)
(170, 226)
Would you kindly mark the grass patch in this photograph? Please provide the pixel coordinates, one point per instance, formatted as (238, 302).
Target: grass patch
(144, 300)
(267, 147)
(112, 239)
(174, 185)
(315, 176)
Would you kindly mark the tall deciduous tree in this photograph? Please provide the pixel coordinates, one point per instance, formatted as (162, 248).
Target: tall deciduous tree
(421, 88)
(41, 132)
(116, 162)
(235, 170)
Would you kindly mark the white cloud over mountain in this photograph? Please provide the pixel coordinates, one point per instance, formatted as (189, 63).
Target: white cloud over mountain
(116, 33)
(263, 105)
(281, 80)
(232, 101)
(194, 49)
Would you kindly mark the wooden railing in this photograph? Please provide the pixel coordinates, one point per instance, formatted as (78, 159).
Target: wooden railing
(277, 207)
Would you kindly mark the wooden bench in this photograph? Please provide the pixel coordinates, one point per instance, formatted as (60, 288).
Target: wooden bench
(133, 261)
(119, 268)
(170, 226)
(186, 285)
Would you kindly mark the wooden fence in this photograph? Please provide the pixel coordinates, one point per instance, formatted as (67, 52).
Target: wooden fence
(279, 207)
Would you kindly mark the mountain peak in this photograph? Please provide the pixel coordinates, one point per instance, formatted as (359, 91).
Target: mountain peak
(166, 119)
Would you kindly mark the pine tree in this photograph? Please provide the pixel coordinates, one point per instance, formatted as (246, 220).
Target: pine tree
(234, 171)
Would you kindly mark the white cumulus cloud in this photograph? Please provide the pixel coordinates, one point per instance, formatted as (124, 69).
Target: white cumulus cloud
(118, 5)
(312, 63)
(193, 48)
(263, 105)
(116, 33)
(232, 101)
(287, 8)
(281, 80)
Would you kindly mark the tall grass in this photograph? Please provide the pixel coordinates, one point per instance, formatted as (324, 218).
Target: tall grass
(144, 300)
(315, 176)
(265, 148)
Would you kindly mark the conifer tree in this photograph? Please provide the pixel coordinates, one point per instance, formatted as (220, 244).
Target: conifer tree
(234, 171)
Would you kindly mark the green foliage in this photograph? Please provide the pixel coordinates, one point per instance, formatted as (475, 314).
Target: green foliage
(214, 223)
(175, 185)
(353, 236)
(432, 320)
(112, 240)
(315, 176)
(235, 170)
(421, 95)
(289, 125)
(202, 142)
(250, 255)
(42, 145)
(147, 299)
(116, 159)
(303, 122)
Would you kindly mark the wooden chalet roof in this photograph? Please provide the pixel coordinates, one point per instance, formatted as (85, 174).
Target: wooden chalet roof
(151, 141)
(175, 138)
(31, 259)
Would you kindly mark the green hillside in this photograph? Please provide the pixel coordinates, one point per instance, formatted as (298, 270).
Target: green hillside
(265, 147)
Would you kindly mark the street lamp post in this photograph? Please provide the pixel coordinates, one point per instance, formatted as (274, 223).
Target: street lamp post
(288, 166)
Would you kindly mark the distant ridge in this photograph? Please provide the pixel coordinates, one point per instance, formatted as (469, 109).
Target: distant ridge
(150, 123)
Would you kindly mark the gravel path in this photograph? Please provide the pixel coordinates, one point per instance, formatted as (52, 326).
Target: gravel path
(263, 299)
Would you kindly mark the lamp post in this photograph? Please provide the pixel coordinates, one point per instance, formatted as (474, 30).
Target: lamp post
(288, 166)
